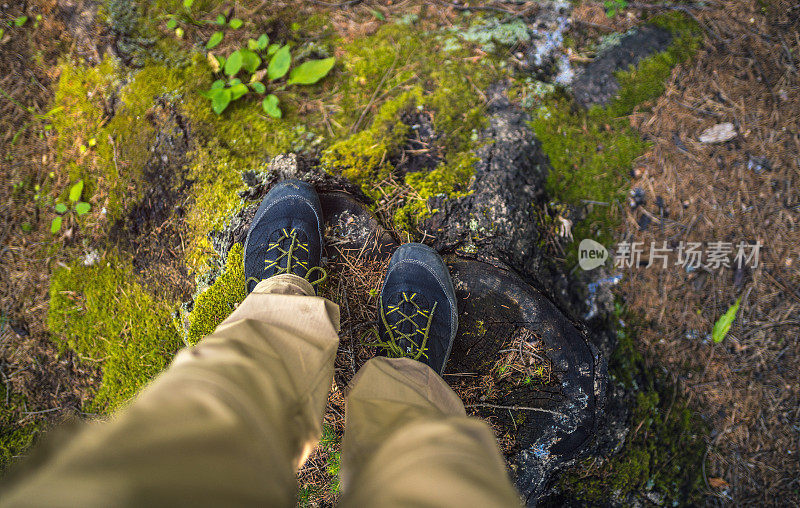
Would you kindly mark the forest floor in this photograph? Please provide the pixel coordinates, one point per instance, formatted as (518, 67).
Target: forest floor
(94, 308)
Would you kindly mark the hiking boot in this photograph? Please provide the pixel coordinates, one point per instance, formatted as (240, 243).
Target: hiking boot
(286, 235)
(417, 307)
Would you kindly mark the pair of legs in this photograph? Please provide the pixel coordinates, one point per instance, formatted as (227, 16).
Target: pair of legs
(233, 418)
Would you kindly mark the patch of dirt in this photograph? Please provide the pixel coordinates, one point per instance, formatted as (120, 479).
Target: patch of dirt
(420, 153)
(90, 43)
(743, 190)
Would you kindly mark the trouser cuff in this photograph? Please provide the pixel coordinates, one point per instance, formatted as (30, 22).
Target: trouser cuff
(285, 284)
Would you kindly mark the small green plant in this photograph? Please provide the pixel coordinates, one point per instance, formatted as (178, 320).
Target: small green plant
(20, 21)
(214, 40)
(723, 324)
(79, 207)
(185, 16)
(248, 64)
(614, 6)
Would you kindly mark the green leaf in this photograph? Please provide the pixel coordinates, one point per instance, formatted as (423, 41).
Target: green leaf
(82, 208)
(378, 14)
(258, 87)
(238, 90)
(234, 81)
(270, 105)
(262, 42)
(2, 32)
(172, 23)
(188, 4)
(220, 19)
(55, 226)
(220, 98)
(272, 49)
(26, 226)
(21, 20)
(76, 191)
(250, 60)
(236, 23)
(252, 44)
(723, 324)
(234, 63)
(215, 39)
(61, 208)
(279, 64)
(179, 33)
(217, 84)
(311, 71)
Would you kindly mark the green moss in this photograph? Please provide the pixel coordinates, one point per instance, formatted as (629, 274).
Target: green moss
(646, 81)
(664, 451)
(114, 166)
(224, 146)
(107, 317)
(15, 437)
(449, 179)
(217, 177)
(215, 303)
(364, 157)
(78, 116)
(591, 155)
(401, 68)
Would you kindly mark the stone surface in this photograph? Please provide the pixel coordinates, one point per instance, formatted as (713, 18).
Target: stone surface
(496, 222)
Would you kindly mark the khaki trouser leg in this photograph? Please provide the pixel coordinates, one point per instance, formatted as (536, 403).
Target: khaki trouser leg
(227, 424)
(408, 442)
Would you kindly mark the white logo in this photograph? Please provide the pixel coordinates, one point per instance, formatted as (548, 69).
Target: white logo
(591, 254)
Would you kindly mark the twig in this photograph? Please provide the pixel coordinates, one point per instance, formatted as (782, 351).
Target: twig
(637, 5)
(490, 8)
(788, 322)
(356, 125)
(516, 408)
(30, 413)
(348, 3)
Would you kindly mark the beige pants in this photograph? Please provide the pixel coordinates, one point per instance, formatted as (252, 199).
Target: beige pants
(233, 418)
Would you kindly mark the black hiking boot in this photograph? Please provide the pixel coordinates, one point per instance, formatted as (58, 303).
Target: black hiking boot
(417, 307)
(286, 235)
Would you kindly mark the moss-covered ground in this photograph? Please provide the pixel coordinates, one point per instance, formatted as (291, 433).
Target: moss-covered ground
(661, 460)
(358, 122)
(592, 152)
(104, 314)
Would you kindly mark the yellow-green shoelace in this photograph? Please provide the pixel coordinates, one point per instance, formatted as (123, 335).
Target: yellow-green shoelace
(290, 255)
(396, 336)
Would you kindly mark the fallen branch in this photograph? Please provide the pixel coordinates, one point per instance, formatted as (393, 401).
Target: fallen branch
(515, 408)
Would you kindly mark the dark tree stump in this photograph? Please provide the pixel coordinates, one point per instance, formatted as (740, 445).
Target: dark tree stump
(493, 305)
